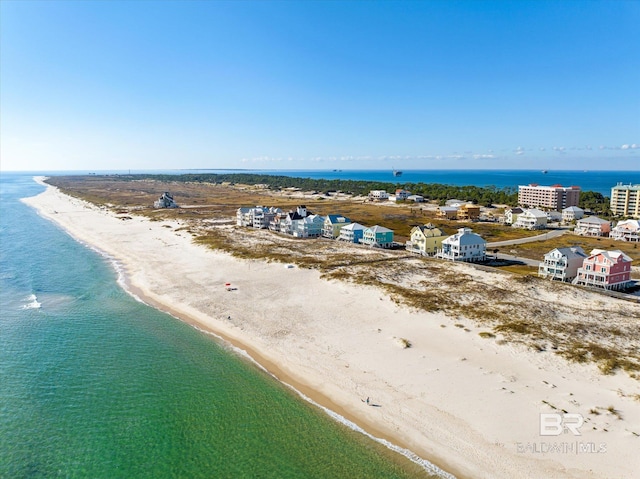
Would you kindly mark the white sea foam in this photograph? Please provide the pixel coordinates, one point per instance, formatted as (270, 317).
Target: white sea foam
(31, 302)
(426, 465)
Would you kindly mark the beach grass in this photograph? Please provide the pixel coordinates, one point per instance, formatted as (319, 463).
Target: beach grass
(505, 303)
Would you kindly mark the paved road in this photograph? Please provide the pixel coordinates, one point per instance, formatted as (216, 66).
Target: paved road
(547, 235)
(517, 259)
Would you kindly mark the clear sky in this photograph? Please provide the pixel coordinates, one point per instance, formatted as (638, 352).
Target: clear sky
(317, 85)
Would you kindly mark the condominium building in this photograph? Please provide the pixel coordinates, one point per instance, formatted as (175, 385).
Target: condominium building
(555, 197)
(625, 200)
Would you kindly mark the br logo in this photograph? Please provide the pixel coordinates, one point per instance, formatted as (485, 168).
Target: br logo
(554, 424)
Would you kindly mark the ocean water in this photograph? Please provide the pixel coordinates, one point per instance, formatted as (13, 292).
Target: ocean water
(598, 181)
(94, 384)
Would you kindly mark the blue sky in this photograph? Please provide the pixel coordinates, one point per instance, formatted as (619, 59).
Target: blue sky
(314, 85)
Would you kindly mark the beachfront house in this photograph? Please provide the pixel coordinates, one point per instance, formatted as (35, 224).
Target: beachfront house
(243, 216)
(258, 217)
(605, 269)
(572, 213)
(425, 239)
(592, 226)
(454, 203)
(463, 246)
(377, 236)
(468, 212)
(511, 215)
(531, 219)
(165, 201)
(415, 198)
(562, 264)
(628, 230)
(447, 212)
(378, 195)
(352, 232)
(286, 223)
(332, 225)
(308, 227)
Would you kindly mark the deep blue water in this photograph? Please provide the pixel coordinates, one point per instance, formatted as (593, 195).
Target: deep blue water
(596, 180)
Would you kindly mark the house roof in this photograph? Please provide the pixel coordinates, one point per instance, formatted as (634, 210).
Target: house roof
(592, 220)
(380, 229)
(613, 256)
(465, 236)
(628, 225)
(353, 227)
(574, 209)
(333, 219)
(535, 213)
(448, 208)
(430, 230)
(570, 252)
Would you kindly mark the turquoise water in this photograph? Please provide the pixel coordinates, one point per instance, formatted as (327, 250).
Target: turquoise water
(94, 384)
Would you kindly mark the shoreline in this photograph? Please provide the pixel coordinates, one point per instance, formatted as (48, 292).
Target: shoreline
(335, 366)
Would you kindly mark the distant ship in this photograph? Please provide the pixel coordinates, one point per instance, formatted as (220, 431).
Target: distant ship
(545, 171)
(397, 173)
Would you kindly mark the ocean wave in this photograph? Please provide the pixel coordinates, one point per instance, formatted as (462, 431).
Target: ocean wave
(31, 302)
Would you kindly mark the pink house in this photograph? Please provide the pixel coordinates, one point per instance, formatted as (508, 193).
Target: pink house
(605, 269)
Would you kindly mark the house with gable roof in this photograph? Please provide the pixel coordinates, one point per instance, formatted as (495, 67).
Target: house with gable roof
(562, 263)
(592, 226)
(332, 225)
(605, 269)
(308, 227)
(511, 215)
(464, 246)
(352, 232)
(531, 219)
(628, 230)
(377, 236)
(165, 201)
(425, 239)
(572, 213)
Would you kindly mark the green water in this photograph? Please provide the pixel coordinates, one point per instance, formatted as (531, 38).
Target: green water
(94, 384)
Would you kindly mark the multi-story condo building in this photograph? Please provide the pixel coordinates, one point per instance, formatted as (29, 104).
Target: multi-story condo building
(625, 200)
(555, 197)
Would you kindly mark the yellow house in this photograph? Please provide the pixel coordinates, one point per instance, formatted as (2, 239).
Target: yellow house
(425, 239)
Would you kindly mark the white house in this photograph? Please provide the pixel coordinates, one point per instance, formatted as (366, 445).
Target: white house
(592, 226)
(572, 213)
(628, 230)
(378, 195)
(464, 246)
(262, 216)
(308, 227)
(243, 216)
(415, 198)
(562, 263)
(531, 219)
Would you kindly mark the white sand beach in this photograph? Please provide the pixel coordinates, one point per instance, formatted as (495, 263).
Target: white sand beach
(471, 405)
